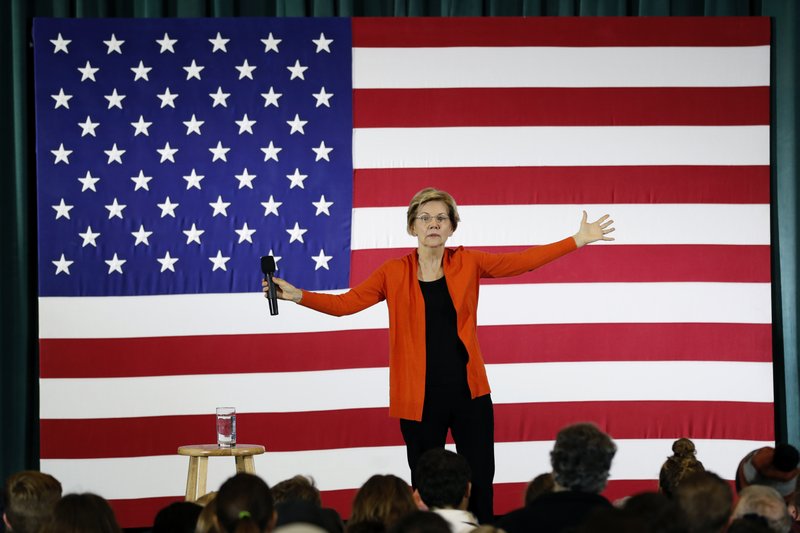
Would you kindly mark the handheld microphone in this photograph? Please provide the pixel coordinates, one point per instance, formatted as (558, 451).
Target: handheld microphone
(268, 268)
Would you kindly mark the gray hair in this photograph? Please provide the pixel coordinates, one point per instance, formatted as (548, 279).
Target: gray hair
(581, 458)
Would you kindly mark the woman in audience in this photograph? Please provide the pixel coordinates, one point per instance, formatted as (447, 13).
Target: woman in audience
(383, 499)
(680, 464)
(244, 505)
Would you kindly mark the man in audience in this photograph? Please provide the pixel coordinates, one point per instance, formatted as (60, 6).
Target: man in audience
(765, 502)
(707, 500)
(581, 460)
(443, 486)
(297, 500)
(774, 467)
(30, 498)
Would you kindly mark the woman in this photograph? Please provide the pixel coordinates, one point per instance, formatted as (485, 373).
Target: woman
(383, 499)
(244, 505)
(437, 379)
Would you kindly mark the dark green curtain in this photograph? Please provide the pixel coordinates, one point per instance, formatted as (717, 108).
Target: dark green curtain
(19, 442)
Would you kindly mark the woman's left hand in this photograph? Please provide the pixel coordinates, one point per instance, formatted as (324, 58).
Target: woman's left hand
(593, 231)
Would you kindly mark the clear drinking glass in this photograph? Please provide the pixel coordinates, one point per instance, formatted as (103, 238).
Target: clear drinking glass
(226, 427)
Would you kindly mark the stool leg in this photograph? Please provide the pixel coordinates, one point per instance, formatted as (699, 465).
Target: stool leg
(249, 464)
(202, 476)
(191, 480)
(241, 466)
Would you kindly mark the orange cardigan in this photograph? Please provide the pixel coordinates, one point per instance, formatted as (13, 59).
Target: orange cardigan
(396, 282)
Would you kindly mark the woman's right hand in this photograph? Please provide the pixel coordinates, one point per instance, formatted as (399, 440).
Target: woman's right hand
(283, 290)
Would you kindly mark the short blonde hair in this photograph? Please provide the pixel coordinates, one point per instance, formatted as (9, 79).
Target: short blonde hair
(431, 195)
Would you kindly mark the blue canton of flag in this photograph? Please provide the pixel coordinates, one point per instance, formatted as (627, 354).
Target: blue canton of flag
(171, 154)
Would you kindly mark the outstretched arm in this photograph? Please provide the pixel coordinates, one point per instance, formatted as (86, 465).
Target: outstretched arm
(283, 290)
(593, 231)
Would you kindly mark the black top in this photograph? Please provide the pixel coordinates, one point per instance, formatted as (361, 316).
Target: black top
(445, 355)
(553, 513)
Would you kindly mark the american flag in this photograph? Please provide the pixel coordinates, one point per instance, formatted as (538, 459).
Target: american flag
(172, 153)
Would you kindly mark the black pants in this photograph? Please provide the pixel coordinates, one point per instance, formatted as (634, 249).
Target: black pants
(472, 425)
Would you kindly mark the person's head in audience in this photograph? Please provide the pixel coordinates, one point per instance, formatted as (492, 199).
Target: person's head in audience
(366, 526)
(794, 506)
(177, 517)
(611, 520)
(541, 484)
(749, 524)
(443, 479)
(297, 488)
(244, 504)
(659, 513)
(30, 498)
(581, 458)
(765, 502)
(383, 498)
(207, 521)
(683, 462)
(707, 501)
(421, 522)
(82, 513)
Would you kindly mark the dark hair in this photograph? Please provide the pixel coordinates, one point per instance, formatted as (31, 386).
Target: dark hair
(541, 484)
(296, 488)
(82, 513)
(581, 458)
(707, 501)
(442, 478)
(422, 522)
(786, 457)
(659, 513)
(177, 517)
(751, 523)
(30, 498)
(680, 464)
(244, 503)
(383, 497)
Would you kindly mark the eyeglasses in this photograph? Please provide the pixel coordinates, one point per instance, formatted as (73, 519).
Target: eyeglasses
(426, 218)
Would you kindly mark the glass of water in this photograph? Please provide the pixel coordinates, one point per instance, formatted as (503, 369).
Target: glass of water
(226, 427)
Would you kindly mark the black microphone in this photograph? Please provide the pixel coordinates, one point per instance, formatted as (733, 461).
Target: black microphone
(268, 268)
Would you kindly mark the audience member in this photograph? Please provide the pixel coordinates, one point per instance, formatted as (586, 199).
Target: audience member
(207, 521)
(765, 502)
(297, 500)
(177, 517)
(443, 486)
(581, 460)
(541, 484)
(82, 513)
(383, 498)
(611, 520)
(244, 504)
(707, 500)
(794, 511)
(774, 467)
(30, 498)
(421, 522)
(749, 524)
(658, 512)
(680, 464)
(297, 488)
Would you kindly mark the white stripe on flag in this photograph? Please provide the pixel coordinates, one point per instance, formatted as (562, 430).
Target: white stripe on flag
(652, 66)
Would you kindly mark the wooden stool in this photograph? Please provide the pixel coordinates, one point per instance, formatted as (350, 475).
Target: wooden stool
(198, 463)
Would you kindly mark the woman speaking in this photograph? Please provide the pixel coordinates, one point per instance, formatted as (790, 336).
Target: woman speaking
(437, 377)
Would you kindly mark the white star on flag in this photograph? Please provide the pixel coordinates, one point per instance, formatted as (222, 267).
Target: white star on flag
(296, 179)
(219, 261)
(271, 207)
(60, 44)
(193, 71)
(219, 152)
(115, 264)
(61, 154)
(114, 154)
(168, 208)
(270, 43)
(276, 257)
(245, 179)
(322, 97)
(297, 70)
(88, 72)
(89, 237)
(296, 233)
(62, 209)
(322, 152)
(245, 125)
(115, 209)
(322, 206)
(141, 126)
(114, 45)
(245, 234)
(193, 126)
(271, 152)
(219, 43)
(167, 262)
(271, 97)
(323, 44)
(166, 45)
(141, 236)
(141, 71)
(88, 182)
(114, 99)
(193, 234)
(297, 125)
(321, 260)
(167, 153)
(219, 98)
(167, 98)
(62, 265)
(246, 70)
(141, 181)
(62, 100)
(88, 127)
(220, 207)
(193, 180)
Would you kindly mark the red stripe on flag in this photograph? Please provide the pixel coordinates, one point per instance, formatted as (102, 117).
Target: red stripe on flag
(618, 264)
(299, 352)
(355, 428)
(567, 185)
(371, 32)
(523, 106)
